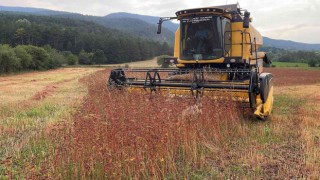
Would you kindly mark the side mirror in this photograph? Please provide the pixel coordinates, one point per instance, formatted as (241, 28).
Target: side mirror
(159, 26)
(266, 59)
(246, 19)
(161, 20)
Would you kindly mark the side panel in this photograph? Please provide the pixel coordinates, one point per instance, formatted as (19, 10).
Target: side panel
(177, 44)
(236, 37)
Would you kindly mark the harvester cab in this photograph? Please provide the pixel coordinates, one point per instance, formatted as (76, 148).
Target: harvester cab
(215, 52)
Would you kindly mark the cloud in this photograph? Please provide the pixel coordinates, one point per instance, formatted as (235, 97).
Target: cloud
(299, 32)
(291, 19)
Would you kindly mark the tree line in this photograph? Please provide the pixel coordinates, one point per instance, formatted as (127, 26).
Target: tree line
(33, 58)
(75, 36)
(312, 58)
(27, 57)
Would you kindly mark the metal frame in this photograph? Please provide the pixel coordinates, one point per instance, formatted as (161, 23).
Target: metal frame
(197, 84)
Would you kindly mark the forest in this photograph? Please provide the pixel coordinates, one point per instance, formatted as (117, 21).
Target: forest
(28, 57)
(75, 36)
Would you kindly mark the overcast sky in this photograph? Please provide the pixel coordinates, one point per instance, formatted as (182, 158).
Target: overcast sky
(296, 20)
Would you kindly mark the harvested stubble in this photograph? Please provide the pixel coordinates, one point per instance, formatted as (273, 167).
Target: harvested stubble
(289, 77)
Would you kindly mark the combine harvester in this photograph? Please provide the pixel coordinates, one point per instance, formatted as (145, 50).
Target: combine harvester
(216, 54)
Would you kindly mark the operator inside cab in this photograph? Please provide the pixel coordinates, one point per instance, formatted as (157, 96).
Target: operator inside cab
(202, 37)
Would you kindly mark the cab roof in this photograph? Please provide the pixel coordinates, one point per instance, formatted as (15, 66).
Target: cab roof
(233, 9)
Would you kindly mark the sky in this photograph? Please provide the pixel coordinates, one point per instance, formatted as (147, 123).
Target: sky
(296, 20)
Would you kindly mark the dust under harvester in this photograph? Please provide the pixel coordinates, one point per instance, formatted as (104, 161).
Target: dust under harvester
(216, 54)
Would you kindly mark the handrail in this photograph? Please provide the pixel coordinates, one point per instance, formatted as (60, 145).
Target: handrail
(243, 34)
(234, 43)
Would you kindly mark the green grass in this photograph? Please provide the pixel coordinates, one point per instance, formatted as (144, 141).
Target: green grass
(26, 147)
(28, 124)
(284, 104)
(293, 65)
(33, 156)
(289, 64)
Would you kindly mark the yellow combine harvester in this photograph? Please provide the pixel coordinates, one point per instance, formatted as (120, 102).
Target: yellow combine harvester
(216, 53)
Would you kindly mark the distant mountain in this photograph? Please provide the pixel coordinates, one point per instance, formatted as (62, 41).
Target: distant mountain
(285, 44)
(149, 19)
(146, 26)
(40, 11)
(121, 21)
(139, 28)
(132, 26)
(37, 11)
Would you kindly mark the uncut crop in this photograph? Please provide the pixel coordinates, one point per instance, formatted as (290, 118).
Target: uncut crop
(142, 135)
(121, 134)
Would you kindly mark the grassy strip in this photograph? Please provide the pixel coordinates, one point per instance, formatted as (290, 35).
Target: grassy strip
(26, 143)
(294, 65)
(289, 64)
(310, 114)
(21, 144)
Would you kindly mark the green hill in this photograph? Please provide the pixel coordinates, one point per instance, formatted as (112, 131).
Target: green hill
(66, 34)
(134, 26)
(137, 25)
(291, 45)
(139, 28)
(38, 11)
(149, 19)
